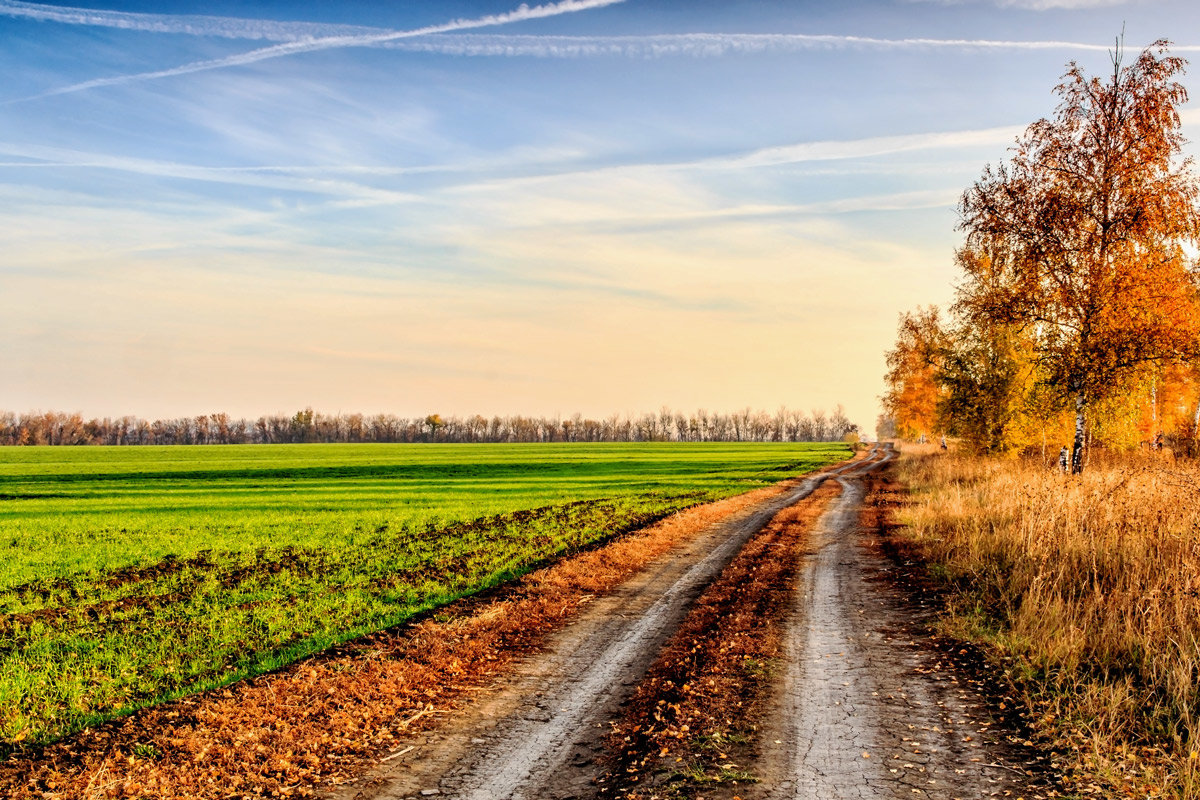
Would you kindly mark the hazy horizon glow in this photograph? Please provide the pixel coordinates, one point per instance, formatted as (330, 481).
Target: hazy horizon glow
(471, 207)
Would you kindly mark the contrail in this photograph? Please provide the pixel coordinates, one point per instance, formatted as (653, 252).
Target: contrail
(652, 46)
(702, 45)
(190, 24)
(521, 13)
(688, 44)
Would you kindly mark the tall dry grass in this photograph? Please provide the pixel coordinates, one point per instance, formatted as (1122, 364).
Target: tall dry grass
(1088, 589)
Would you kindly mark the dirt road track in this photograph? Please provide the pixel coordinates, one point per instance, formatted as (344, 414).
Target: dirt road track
(856, 714)
(864, 709)
(541, 733)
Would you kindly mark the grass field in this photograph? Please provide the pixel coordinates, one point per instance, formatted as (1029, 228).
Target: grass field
(139, 574)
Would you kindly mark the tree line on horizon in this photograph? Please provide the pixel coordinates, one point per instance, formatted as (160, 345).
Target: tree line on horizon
(308, 426)
(1076, 317)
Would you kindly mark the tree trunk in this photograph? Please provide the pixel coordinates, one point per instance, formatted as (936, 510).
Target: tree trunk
(1153, 410)
(1077, 450)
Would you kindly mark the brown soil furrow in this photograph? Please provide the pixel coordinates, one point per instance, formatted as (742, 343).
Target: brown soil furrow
(690, 728)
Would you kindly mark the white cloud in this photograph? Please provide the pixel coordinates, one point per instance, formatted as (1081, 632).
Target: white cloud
(799, 153)
(863, 148)
(1038, 5)
(600, 311)
(43, 157)
(579, 195)
(1074, 5)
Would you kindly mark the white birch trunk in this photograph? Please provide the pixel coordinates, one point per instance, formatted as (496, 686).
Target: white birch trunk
(1077, 450)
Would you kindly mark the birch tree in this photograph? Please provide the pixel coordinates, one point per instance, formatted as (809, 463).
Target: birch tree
(1091, 231)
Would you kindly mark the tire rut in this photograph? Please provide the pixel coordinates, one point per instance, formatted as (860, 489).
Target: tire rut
(863, 712)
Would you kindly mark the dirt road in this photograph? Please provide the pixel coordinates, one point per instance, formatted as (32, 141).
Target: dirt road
(856, 715)
(864, 709)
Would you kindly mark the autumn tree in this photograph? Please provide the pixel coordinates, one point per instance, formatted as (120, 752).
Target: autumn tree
(302, 426)
(911, 396)
(1089, 232)
(434, 423)
(993, 394)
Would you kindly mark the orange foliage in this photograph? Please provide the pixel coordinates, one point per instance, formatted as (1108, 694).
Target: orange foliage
(1088, 234)
(912, 392)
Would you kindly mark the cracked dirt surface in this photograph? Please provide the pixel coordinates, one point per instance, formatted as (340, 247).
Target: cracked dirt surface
(862, 708)
(865, 709)
(541, 732)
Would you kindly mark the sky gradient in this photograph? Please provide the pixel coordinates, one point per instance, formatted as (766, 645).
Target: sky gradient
(479, 207)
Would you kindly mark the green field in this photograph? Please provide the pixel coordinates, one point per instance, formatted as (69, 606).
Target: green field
(137, 574)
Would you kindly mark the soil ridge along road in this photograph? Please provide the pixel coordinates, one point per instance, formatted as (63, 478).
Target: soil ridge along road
(542, 732)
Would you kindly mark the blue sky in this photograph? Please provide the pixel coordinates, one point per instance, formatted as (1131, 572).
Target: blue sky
(470, 207)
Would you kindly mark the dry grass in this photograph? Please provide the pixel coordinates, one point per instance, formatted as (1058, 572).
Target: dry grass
(323, 721)
(1087, 588)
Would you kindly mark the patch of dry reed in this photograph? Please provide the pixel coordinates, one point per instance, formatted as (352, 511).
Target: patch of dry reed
(1088, 588)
